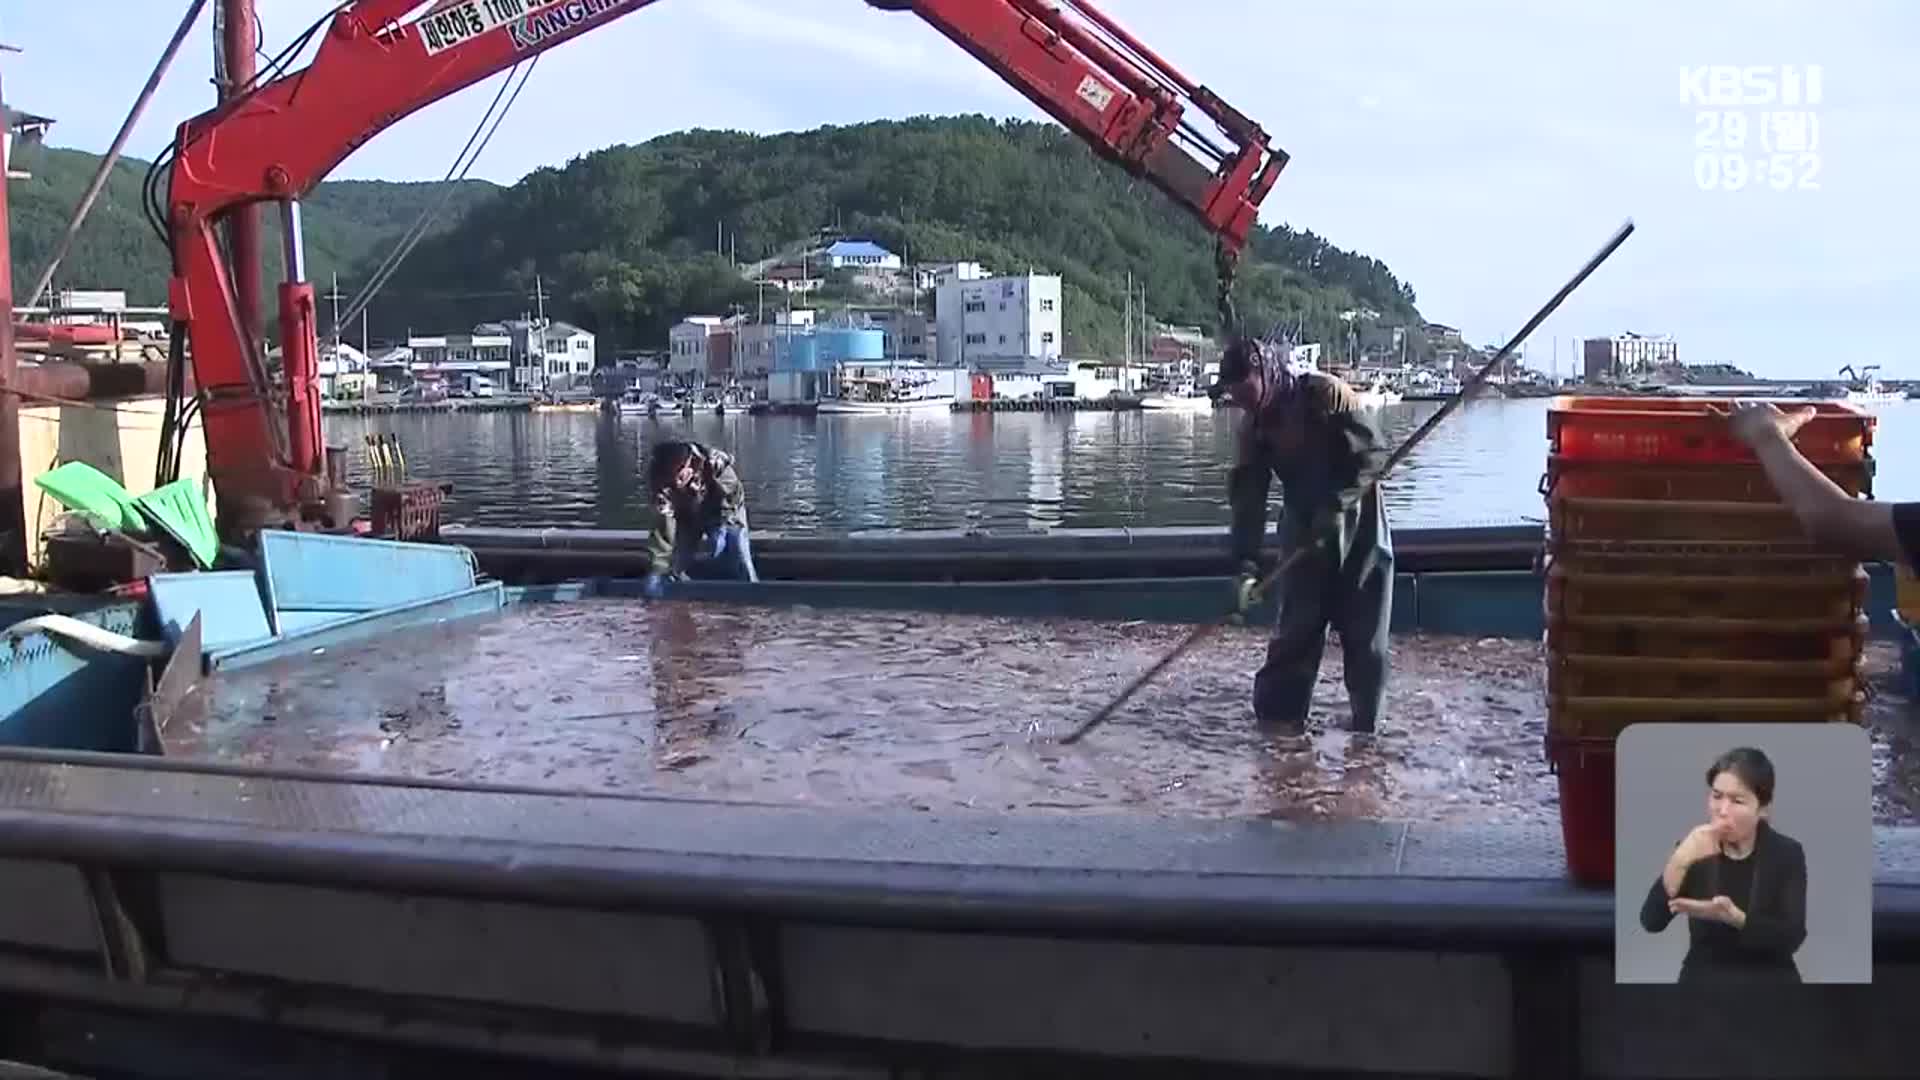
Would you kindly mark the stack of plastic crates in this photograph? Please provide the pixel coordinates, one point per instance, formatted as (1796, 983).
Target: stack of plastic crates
(1681, 590)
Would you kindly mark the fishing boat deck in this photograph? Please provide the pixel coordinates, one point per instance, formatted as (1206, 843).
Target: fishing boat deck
(905, 710)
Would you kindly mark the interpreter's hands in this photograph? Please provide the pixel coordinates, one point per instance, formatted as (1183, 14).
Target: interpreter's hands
(1720, 909)
(1702, 843)
(1757, 423)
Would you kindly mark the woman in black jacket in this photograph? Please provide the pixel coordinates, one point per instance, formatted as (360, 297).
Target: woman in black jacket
(1741, 882)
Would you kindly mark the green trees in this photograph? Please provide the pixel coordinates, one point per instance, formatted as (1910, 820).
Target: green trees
(627, 239)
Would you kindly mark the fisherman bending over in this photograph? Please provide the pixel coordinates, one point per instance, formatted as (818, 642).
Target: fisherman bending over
(1307, 429)
(699, 517)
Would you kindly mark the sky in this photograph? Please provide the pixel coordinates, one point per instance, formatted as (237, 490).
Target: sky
(1483, 149)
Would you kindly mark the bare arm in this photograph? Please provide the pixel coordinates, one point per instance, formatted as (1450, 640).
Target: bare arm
(1828, 515)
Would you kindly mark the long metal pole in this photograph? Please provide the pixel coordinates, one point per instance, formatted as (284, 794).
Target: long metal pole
(13, 510)
(105, 168)
(1201, 632)
(239, 38)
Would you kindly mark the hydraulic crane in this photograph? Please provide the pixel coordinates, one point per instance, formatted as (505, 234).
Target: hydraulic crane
(379, 61)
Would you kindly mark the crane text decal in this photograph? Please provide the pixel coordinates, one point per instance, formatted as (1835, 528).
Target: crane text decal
(529, 22)
(460, 23)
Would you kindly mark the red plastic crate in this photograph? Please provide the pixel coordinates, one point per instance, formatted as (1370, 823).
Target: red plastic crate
(1583, 478)
(1585, 769)
(1685, 430)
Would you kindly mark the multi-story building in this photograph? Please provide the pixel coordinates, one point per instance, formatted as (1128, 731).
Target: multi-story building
(997, 322)
(689, 345)
(464, 361)
(548, 356)
(1625, 356)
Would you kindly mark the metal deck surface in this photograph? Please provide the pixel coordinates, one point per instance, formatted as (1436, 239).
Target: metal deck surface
(1110, 872)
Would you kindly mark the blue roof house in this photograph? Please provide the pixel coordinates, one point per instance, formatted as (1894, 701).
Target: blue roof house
(861, 255)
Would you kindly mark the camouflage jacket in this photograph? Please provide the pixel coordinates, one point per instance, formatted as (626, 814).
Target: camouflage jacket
(1317, 442)
(723, 502)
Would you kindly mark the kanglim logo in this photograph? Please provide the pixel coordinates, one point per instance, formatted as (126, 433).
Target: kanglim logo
(558, 18)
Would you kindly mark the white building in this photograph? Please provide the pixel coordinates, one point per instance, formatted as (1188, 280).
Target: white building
(550, 356)
(997, 321)
(570, 357)
(860, 255)
(930, 275)
(344, 371)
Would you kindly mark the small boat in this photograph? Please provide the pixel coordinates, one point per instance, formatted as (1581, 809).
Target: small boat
(1867, 389)
(1180, 397)
(635, 403)
(566, 406)
(884, 397)
(886, 406)
(1377, 395)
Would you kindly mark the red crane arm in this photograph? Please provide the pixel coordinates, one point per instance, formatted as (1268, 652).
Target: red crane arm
(375, 66)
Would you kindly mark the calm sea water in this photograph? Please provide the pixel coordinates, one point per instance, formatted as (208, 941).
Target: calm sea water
(1010, 470)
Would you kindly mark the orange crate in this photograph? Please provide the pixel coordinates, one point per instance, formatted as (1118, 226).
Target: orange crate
(1773, 561)
(1581, 478)
(1640, 677)
(1833, 641)
(1585, 769)
(1684, 430)
(1723, 596)
(1662, 520)
(1604, 718)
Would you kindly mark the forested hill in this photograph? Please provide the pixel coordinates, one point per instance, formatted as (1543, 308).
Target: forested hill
(624, 238)
(346, 223)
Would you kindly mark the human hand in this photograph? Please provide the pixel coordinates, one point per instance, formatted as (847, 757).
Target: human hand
(1757, 423)
(1327, 522)
(1720, 909)
(1702, 843)
(1245, 584)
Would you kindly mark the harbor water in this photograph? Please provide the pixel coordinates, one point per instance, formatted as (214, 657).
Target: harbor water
(977, 470)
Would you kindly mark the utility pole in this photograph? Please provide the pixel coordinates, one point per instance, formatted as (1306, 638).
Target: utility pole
(333, 294)
(538, 331)
(13, 513)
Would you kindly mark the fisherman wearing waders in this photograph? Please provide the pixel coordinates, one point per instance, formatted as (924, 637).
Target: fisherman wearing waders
(699, 517)
(1306, 429)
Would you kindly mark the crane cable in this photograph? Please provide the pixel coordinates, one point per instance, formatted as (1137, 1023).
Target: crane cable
(456, 173)
(1205, 630)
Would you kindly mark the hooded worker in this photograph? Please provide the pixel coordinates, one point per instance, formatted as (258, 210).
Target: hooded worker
(699, 517)
(1307, 429)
